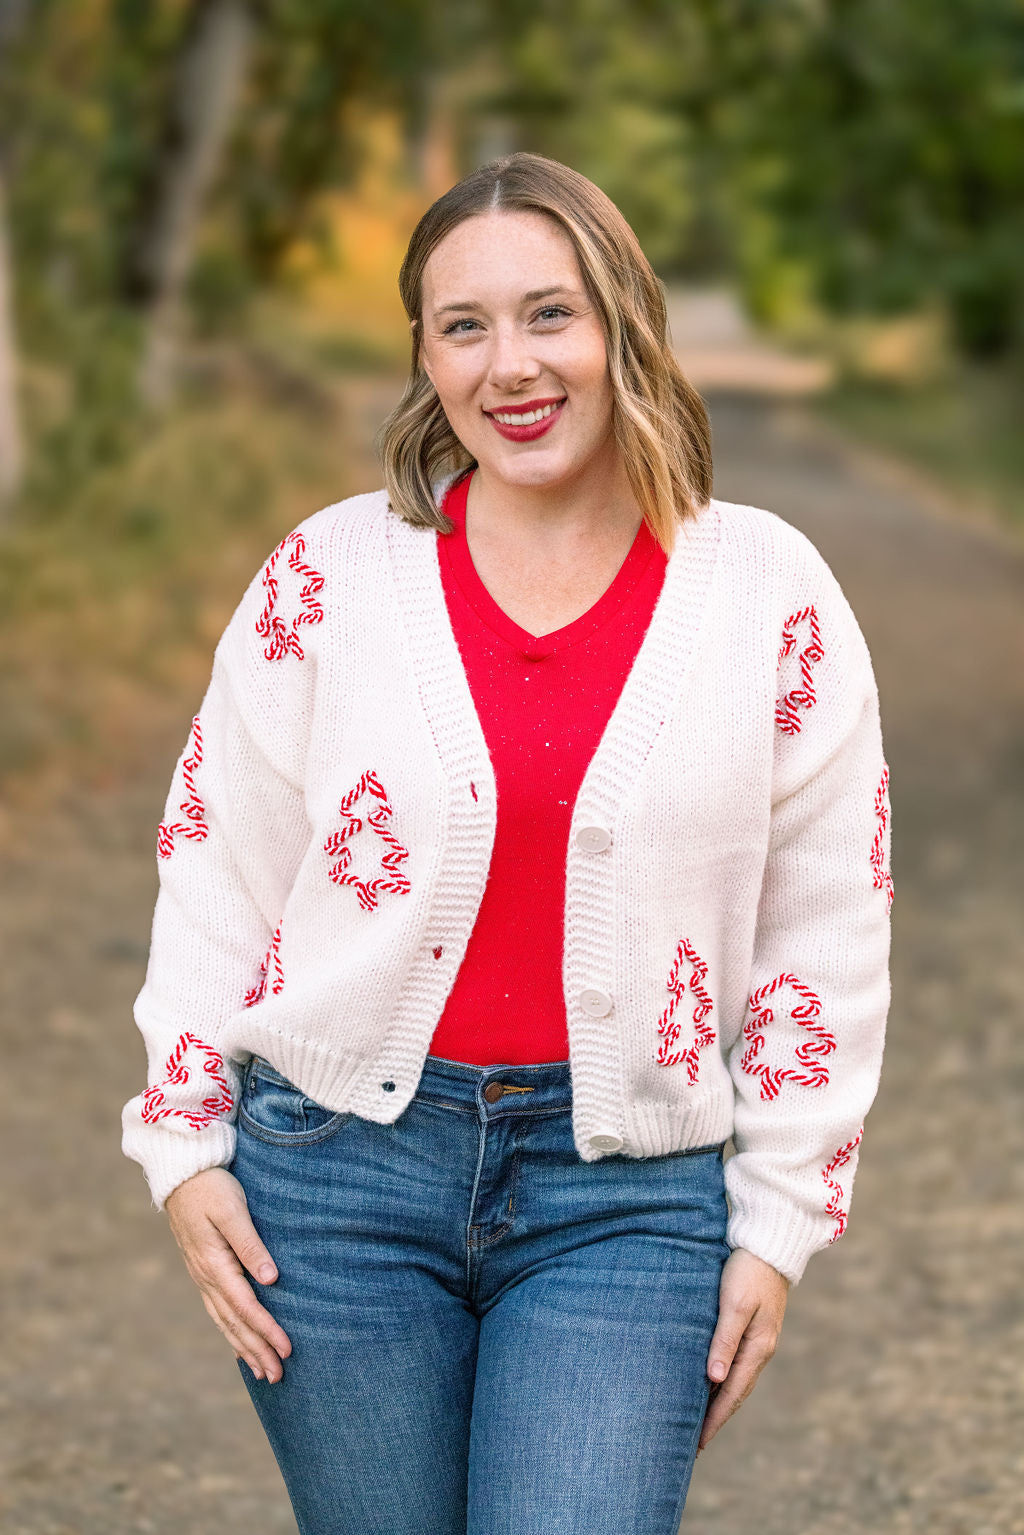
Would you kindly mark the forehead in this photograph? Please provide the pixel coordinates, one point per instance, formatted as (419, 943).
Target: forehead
(499, 255)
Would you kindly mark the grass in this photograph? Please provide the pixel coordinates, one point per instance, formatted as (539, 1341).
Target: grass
(964, 430)
(116, 583)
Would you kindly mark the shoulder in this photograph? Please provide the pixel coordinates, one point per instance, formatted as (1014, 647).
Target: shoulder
(770, 564)
(756, 539)
(353, 521)
(763, 553)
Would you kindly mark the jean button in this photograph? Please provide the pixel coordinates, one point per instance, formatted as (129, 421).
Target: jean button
(493, 1091)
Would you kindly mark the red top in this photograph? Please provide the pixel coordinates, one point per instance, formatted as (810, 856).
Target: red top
(543, 704)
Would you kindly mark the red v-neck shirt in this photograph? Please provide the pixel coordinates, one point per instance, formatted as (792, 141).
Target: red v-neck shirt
(543, 704)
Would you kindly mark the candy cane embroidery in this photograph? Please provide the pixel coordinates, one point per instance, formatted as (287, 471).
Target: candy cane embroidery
(337, 845)
(669, 1026)
(258, 992)
(835, 1206)
(210, 1071)
(803, 697)
(191, 806)
(808, 1053)
(881, 878)
(284, 638)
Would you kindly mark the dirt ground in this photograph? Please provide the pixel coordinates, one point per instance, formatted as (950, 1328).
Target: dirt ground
(895, 1401)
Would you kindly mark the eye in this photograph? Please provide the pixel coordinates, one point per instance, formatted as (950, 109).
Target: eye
(552, 309)
(452, 329)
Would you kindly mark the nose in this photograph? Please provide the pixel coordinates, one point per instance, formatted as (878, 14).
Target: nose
(512, 363)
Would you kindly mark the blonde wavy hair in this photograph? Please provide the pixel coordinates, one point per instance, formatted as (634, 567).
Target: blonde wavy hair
(660, 421)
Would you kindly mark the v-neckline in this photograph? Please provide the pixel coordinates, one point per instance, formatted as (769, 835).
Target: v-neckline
(454, 550)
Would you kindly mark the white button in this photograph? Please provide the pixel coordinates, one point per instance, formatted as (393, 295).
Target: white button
(606, 1142)
(596, 1003)
(593, 839)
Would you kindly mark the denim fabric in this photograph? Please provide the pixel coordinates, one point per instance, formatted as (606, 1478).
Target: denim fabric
(490, 1336)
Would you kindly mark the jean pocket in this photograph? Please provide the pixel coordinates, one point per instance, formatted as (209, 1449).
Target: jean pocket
(274, 1109)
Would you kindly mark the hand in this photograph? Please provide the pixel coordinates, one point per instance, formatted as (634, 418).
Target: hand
(209, 1217)
(751, 1305)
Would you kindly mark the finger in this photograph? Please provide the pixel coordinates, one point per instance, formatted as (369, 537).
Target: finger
(728, 1335)
(258, 1354)
(247, 1346)
(236, 1227)
(751, 1357)
(239, 1296)
(225, 1281)
(216, 1268)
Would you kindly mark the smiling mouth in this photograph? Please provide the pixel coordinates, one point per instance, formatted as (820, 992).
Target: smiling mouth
(526, 417)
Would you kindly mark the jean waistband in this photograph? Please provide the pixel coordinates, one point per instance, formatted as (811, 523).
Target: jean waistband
(497, 1089)
(490, 1089)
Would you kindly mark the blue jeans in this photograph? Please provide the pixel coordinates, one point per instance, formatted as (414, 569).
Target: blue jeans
(490, 1336)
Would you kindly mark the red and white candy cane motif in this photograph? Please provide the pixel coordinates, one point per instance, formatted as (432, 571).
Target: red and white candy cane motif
(337, 845)
(216, 1103)
(258, 992)
(814, 1072)
(882, 879)
(668, 1024)
(191, 806)
(284, 638)
(835, 1206)
(803, 697)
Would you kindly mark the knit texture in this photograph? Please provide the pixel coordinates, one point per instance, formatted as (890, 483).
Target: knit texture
(329, 826)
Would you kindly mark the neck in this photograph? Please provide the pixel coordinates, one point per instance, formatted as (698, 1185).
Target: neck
(595, 505)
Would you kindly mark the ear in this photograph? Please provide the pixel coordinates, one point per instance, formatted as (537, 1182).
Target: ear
(424, 364)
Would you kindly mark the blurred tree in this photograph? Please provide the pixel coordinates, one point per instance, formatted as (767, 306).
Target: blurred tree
(12, 17)
(880, 148)
(867, 153)
(207, 84)
(316, 62)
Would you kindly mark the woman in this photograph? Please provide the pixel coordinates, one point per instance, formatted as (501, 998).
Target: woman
(530, 842)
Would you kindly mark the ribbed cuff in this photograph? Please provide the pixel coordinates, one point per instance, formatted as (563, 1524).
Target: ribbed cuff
(168, 1158)
(778, 1231)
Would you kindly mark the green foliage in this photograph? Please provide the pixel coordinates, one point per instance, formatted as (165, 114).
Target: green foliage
(882, 146)
(859, 155)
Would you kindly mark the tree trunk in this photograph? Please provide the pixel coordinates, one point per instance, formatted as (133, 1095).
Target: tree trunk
(11, 456)
(12, 17)
(205, 93)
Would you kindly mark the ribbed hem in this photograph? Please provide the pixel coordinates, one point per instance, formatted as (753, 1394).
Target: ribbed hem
(655, 1129)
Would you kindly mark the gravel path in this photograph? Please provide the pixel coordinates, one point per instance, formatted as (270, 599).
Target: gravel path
(895, 1401)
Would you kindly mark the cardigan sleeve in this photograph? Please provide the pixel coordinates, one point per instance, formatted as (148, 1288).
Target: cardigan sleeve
(230, 843)
(806, 1063)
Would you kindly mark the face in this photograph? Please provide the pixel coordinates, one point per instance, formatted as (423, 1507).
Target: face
(508, 329)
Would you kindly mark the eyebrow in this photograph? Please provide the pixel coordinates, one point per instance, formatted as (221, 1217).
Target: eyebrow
(528, 298)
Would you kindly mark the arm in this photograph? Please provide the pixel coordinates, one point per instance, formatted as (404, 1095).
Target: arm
(230, 843)
(233, 831)
(806, 1064)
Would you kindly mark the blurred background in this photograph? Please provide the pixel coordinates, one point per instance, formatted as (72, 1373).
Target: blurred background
(203, 208)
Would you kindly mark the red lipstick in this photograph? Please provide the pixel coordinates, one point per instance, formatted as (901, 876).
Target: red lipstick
(536, 428)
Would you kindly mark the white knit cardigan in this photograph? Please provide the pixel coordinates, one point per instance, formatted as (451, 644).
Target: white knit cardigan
(329, 828)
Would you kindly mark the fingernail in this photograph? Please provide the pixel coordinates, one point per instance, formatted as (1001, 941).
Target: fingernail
(717, 1371)
(266, 1274)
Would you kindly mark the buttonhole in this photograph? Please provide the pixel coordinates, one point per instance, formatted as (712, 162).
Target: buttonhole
(472, 790)
(438, 952)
